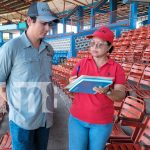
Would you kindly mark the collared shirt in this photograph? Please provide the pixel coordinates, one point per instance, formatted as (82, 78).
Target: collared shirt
(26, 72)
(96, 108)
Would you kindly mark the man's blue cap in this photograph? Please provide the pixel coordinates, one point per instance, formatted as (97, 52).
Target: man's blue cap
(42, 11)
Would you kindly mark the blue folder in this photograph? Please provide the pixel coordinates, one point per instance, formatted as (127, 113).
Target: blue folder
(85, 84)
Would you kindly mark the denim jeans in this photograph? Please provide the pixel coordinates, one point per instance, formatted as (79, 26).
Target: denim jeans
(28, 139)
(86, 136)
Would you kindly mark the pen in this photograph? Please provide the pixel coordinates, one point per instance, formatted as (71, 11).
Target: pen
(78, 69)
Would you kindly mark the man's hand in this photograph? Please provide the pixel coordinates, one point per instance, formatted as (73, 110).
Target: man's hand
(2, 104)
(3, 97)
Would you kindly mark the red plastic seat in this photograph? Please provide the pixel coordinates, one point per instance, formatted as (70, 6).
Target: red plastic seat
(138, 52)
(142, 141)
(146, 56)
(132, 110)
(135, 76)
(143, 90)
(5, 142)
(127, 67)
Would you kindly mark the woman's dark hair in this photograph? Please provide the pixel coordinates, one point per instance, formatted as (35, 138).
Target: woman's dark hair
(112, 47)
(33, 18)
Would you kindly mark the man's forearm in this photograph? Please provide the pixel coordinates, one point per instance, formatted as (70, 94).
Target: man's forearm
(3, 93)
(116, 95)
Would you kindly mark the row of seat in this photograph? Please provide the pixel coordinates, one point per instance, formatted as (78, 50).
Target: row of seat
(133, 46)
(136, 34)
(138, 79)
(137, 76)
(133, 53)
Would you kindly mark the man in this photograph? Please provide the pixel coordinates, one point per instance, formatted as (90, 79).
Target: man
(25, 77)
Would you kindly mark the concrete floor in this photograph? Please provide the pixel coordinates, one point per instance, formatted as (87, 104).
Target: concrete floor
(58, 139)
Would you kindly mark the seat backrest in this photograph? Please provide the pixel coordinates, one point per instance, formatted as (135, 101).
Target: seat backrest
(145, 80)
(118, 57)
(146, 55)
(136, 72)
(143, 136)
(128, 57)
(127, 67)
(131, 114)
(133, 108)
(139, 48)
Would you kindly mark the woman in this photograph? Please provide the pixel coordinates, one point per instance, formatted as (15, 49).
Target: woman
(91, 118)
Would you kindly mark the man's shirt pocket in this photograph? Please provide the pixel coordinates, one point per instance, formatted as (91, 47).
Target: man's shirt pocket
(26, 69)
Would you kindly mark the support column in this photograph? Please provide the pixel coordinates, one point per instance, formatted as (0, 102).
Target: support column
(113, 12)
(54, 29)
(148, 13)
(92, 18)
(10, 35)
(118, 33)
(80, 17)
(133, 14)
(64, 25)
(1, 38)
(72, 52)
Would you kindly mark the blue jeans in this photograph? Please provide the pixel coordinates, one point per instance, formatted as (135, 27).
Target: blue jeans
(28, 139)
(86, 136)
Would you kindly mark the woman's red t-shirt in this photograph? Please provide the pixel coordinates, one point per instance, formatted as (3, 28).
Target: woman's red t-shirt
(96, 108)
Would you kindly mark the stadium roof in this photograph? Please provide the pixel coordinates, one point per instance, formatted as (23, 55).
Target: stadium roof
(14, 11)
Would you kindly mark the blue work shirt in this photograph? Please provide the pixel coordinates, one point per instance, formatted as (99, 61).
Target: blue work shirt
(26, 72)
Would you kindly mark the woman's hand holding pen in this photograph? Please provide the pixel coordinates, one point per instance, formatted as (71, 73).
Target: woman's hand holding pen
(101, 90)
(71, 79)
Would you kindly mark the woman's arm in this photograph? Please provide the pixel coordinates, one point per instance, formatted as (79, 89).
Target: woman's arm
(118, 93)
(115, 94)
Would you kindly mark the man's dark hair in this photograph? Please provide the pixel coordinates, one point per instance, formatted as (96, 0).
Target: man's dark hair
(33, 18)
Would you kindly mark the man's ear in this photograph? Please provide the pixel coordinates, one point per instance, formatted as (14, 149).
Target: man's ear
(29, 21)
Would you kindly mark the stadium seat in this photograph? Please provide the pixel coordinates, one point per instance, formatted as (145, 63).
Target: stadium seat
(143, 89)
(127, 67)
(134, 76)
(132, 111)
(142, 141)
(146, 56)
(5, 142)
